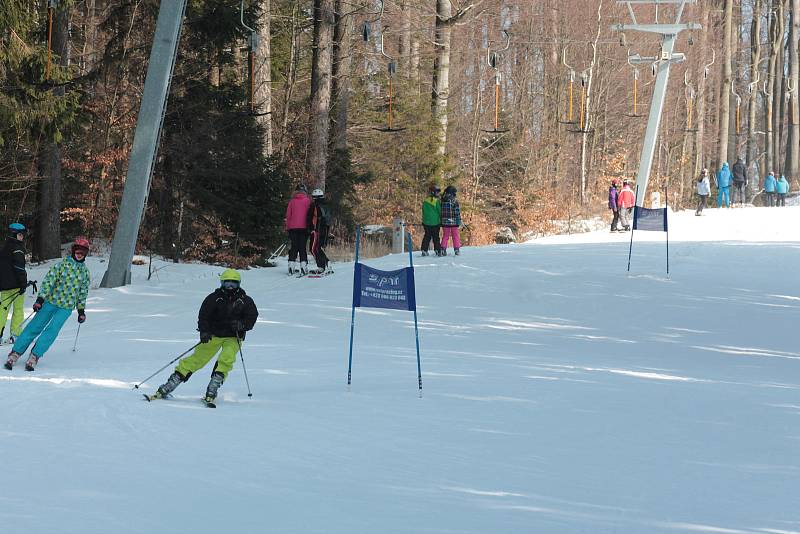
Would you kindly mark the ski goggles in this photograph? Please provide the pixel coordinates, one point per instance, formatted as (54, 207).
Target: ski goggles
(230, 284)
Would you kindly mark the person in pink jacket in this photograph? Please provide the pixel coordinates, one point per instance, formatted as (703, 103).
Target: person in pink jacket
(295, 224)
(626, 201)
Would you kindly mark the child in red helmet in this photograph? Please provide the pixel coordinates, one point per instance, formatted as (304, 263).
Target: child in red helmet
(64, 288)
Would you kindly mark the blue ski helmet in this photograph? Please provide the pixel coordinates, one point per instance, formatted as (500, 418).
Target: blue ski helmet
(16, 228)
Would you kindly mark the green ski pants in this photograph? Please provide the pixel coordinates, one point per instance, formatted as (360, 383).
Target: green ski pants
(17, 314)
(205, 351)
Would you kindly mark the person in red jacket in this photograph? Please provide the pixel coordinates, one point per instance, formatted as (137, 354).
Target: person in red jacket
(626, 201)
(295, 224)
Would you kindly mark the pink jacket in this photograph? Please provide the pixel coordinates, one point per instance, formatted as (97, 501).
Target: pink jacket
(296, 211)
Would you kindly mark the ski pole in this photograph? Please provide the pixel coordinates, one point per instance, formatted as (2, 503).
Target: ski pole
(239, 341)
(170, 363)
(26, 319)
(75, 345)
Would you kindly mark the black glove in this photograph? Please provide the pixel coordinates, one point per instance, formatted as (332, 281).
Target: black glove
(237, 325)
(81, 315)
(38, 304)
(205, 337)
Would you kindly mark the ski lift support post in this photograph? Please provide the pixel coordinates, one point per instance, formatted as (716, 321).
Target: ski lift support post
(252, 46)
(669, 34)
(491, 60)
(149, 123)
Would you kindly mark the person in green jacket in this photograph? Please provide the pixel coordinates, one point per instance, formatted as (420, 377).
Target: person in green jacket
(432, 220)
(65, 287)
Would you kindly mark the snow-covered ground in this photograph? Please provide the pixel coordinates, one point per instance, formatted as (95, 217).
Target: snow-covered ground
(561, 395)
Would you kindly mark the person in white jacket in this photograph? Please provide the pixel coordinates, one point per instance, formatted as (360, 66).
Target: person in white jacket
(703, 191)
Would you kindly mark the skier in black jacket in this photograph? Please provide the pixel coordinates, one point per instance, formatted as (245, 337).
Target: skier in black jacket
(739, 181)
(13, 279)
(225, 316)
(319, 223)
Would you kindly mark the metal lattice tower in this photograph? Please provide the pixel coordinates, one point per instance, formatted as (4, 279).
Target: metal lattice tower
(661, 64)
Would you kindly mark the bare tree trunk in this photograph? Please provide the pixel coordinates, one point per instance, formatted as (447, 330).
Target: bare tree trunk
(777, 88)
(342, 64)
(769, 91)
(321, 91)
(587, 108)
(263, 75)
(291, 74)
(727, 75)
(48, 239)
(793, 143)
(441, 72)
(405, 39)
(755, 58)
(700, 153)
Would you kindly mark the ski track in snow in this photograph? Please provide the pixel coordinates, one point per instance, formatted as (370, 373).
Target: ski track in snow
(562, 394)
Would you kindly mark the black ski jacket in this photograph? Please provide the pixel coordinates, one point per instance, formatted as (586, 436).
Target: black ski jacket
(739, 172)
(12, 265)
(221, 308)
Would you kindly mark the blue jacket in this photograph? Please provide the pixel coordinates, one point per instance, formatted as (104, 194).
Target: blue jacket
(782, 187)
(769, 184)
(724, 176)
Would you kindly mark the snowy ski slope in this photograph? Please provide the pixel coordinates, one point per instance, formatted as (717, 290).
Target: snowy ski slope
(561, 396)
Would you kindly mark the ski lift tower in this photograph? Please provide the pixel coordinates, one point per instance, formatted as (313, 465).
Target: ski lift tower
(661, 64)
(145, 142)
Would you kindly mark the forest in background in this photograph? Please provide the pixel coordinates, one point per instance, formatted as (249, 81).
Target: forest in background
(311, 103)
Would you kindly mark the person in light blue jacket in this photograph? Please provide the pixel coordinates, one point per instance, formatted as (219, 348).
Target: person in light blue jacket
(769, 189)
(723, 182)
(781, 188)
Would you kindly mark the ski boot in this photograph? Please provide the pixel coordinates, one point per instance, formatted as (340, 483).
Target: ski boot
(31, 363)
(12, 359)
(216, 381)
(292, 268)
(303, 268)
(458, 252)
(424, 252)
(167, 387)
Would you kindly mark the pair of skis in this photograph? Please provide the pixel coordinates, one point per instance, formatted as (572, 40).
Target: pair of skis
(206, 400)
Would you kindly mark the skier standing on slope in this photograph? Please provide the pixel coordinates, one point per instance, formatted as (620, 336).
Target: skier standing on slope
(770, 185)
(13, 279)
(626, 201)
(451, 220)
(295, 222)
(723, 182)
(225, 316)
(319, 224)
(739, 182)
(64, 288)
(431, 221)
(703, 190)
(612, 204)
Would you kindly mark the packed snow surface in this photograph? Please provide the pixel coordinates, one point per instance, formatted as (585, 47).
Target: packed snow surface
(561, 394)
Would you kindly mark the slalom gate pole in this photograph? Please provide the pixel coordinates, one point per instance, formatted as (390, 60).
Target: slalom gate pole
(241, 356)
(75, 345)
(630, 249)
(170, 363)
(353, 312)
(416, 327)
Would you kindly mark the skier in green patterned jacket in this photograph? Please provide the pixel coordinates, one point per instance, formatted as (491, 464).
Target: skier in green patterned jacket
(65, 287)
(224, 317)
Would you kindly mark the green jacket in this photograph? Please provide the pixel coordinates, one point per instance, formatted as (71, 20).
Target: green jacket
(66, 284)
(431, 211)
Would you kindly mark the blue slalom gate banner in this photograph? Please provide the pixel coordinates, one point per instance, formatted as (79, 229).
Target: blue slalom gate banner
(650, 220)
(373, 288)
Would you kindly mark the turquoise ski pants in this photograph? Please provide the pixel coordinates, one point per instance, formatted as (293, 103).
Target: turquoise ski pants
(47, 322)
